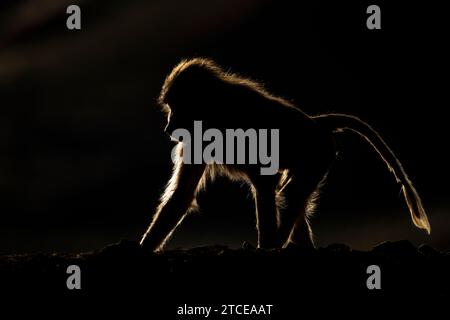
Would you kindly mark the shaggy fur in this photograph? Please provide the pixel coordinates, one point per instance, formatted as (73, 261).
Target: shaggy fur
(198, 89)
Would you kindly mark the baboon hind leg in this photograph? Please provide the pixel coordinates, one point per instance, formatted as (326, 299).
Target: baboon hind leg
(294, 228)
(263, 188)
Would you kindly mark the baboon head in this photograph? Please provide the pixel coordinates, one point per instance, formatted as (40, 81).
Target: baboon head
(192, 91)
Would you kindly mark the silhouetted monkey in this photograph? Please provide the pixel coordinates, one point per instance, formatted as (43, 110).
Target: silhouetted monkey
(198, 89)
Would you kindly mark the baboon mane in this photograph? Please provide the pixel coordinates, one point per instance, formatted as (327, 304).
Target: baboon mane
(204, 73)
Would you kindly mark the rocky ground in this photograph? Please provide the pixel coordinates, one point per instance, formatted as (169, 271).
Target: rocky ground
(217, 275)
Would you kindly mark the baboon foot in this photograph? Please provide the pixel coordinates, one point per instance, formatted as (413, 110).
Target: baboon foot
(299, 246)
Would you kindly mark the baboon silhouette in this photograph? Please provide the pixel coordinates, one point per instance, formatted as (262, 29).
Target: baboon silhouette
(198, 89)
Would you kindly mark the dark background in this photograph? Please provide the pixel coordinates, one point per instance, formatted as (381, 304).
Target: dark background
(83, 157)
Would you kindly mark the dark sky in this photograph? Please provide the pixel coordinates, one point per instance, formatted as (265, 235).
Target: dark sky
(83, 155)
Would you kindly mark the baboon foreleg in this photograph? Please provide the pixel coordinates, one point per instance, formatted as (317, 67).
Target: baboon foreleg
(266, 211)
(175, 202)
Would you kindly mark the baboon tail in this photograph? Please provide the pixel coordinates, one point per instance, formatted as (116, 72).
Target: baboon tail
(343, 122)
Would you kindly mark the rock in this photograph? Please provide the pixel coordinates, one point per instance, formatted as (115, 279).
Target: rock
(338, 248)
(396, 249)
(210, 272)
(247, 246)
(429, 251)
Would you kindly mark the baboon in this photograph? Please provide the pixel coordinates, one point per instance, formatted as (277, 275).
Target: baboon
(198, 89)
